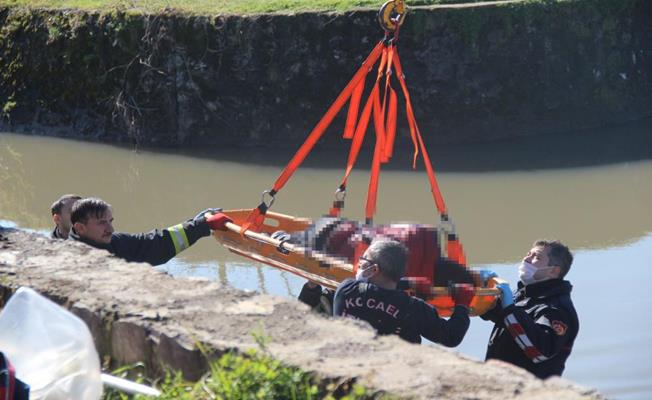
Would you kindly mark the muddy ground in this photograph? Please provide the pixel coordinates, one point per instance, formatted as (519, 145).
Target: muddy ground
(138, 314)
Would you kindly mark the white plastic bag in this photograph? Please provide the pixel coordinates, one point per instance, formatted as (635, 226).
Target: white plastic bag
(51, 349)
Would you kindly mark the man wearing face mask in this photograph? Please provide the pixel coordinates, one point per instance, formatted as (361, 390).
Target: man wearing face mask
(373, 297)
(536, 326)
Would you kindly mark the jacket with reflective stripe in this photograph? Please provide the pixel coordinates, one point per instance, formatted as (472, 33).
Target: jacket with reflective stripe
(537, 332)
(155, 247)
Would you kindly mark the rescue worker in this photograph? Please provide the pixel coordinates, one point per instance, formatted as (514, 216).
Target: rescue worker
(92, 223)
(373, 296)
(339, 238)
(61, 215)
(535, 329)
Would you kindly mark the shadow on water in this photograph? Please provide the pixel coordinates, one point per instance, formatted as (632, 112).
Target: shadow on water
(610, 145)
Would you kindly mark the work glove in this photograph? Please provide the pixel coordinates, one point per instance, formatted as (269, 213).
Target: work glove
(310, 294)
(217, 222)
(463, 294)
(282, 236)
(203, 215)
(485, 275)
(507, 297)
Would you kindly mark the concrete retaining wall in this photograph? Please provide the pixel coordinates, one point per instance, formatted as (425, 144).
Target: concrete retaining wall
(476, 73)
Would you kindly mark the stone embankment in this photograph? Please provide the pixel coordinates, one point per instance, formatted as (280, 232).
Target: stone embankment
(478, 72)
(138, 314)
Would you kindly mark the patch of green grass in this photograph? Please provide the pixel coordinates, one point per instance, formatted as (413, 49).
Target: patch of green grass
(215, 6)
(253, 376)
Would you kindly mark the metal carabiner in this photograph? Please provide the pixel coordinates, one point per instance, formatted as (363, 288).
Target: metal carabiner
(340, 194)
(271, 201)
(392, 15)
(446, 225)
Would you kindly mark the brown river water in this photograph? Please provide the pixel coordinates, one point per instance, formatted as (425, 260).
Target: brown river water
(592, 190)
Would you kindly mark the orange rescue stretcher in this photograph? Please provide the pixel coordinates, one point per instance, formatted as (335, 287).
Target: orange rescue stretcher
(250, 232)
(317, 267)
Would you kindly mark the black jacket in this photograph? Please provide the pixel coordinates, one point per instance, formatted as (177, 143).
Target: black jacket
(395, 312)
(155, 247)
(318, 298)
(537, 332)
(55, 234)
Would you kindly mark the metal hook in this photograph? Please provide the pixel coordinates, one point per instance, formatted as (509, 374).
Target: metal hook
(272, 198)
(392, 15)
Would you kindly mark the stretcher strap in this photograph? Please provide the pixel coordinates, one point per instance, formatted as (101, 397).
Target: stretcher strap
(256, 217)
(417, 139)
(408, 108)
(326, 120)
(354, 106)
(361, 127)
(455, 252)
(372, 191)
(389, 91)
(380, 155)
(336, 209)
(390, 126)
(454, 249)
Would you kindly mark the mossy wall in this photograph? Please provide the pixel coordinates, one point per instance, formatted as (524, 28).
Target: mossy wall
(475, 73)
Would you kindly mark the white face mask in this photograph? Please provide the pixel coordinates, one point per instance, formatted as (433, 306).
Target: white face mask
(526, 272)
(364, 274)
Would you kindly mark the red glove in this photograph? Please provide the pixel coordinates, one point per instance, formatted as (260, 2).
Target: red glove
(217, 222)
(463, 294)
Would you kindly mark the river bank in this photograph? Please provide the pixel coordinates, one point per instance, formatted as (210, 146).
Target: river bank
(476, 73)
(159, 321)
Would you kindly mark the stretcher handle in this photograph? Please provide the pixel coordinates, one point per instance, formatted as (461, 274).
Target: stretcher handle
(479, 291)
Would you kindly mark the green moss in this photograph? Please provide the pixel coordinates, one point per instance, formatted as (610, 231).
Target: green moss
(84, 60)
(8, 107)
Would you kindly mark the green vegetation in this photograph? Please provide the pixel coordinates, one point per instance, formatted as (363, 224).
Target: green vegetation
(214, 6)
(253, 376)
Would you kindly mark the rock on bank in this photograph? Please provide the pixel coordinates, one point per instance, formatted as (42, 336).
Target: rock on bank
(138, 314)
(476, 73)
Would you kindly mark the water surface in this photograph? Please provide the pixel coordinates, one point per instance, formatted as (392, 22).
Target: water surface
(592, 191)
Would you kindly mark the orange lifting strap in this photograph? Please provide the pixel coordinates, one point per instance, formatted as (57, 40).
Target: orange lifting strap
(382, 104)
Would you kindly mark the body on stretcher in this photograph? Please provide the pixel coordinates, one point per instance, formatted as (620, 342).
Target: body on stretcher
(323, 252)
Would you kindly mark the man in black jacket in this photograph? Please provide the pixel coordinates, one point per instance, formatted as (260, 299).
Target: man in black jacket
(373, 297)
(61, 210)
(536, 328)
(92, 223)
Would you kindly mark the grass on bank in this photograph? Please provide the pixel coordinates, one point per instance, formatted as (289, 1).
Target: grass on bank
(256, 376)
(211, 7)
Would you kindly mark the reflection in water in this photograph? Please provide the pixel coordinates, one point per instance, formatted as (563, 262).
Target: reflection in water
(595, 195)
(606, 146)
(16, 188)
